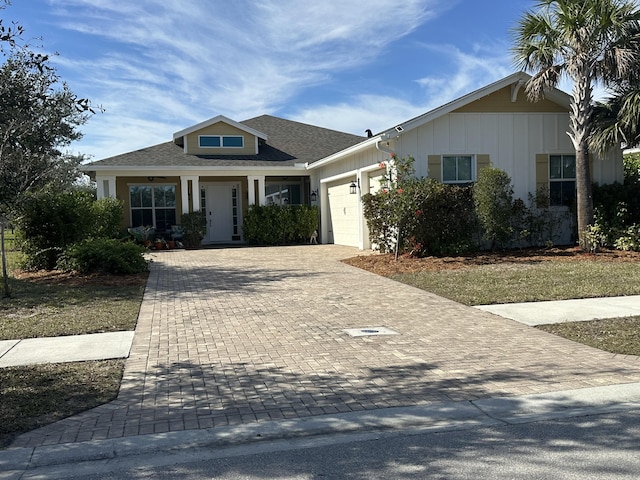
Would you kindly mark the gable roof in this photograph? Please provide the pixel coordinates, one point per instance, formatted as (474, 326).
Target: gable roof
(516, 80)
(286, 143)
(214, 120)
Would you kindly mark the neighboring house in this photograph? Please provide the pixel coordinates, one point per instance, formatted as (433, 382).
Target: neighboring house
(231, 165)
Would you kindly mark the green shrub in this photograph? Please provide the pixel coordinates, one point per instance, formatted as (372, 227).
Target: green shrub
(279, 225)
(104, 255)
(51, 221)
(426, 217)
(194, 226)
(106, 218)
(494, 206)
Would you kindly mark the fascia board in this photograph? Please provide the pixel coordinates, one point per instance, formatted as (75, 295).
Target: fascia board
(176, 171)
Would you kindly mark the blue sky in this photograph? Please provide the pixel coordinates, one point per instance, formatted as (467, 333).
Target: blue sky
(158, 66)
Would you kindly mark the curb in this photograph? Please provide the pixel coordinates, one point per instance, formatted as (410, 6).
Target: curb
(21, 462)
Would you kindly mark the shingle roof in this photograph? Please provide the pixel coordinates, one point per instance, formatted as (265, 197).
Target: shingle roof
(289, 143)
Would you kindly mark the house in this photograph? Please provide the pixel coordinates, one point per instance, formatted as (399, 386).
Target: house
(223, 166)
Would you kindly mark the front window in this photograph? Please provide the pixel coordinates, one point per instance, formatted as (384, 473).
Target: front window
(153, 206)
(562, 179)
(283, 194)
(457, 169)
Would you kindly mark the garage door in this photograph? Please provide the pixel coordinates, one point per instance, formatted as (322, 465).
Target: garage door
(343, 221)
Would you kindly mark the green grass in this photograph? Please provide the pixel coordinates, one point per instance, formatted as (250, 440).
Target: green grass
(515, 283)
(37, 395)
(616, 335)
(47, 310)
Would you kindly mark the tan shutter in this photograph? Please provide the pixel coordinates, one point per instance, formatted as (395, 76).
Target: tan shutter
(435, 167)
(542, 171)
(482, 161)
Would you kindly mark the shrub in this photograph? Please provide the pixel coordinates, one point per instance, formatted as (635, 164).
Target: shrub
(432, 218)
(104, 255)
(194, 226)
(494, 206)
(279, 225)
(106, 218)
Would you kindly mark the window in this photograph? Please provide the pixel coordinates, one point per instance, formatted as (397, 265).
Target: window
(457, 169)
(562, 179)
(283, 194)
(221, 141)
(153, 205)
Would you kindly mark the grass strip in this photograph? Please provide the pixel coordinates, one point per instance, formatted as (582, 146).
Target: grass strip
(36, 395)
(615, 335)
(515, 283)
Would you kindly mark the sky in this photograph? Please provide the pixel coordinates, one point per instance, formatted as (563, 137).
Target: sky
(159, 66)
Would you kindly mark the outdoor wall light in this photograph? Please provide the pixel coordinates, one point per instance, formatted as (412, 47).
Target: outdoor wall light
(353, 188)
(314, 195)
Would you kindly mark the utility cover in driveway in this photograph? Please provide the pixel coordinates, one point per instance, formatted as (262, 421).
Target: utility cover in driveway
(369, 331)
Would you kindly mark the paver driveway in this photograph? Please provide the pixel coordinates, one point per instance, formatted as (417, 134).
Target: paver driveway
(227, 336)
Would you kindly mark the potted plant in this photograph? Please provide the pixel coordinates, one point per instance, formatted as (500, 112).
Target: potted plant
(160, 243)
(194, 226)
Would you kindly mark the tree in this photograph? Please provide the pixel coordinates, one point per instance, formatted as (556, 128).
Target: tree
(617, 119)
(40, 116)
(589, 41)
(493, 201)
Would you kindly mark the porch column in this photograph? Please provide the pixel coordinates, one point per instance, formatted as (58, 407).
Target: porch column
(195, 192)
(106, 186)
(184, 193)
(251, 189)
(262, 196)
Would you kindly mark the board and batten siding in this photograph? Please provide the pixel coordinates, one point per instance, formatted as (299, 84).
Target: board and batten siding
(509, 141)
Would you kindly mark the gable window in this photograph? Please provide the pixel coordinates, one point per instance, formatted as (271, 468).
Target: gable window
(221, 141)
(153, 205)
(457, 169)
(562, 179)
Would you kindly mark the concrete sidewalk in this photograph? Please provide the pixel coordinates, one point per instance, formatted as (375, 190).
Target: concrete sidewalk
(73, 348)
(104, 346)
(542, 313)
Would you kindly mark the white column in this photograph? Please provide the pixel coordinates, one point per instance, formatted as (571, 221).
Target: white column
(262, 196)
(195, 193)
(251, 192)
(184, 193)
(106, 186)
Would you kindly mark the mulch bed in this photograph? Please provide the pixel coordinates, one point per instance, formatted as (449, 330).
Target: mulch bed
(386, 264)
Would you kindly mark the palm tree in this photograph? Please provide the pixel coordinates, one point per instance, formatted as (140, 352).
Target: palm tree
(617, 120)
(589, 41)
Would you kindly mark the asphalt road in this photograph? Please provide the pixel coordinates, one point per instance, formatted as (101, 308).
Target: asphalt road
(605, 446)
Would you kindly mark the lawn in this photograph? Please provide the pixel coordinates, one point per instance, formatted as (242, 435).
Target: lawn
(54, 304)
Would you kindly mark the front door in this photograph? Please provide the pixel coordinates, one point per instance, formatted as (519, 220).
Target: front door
(221, 201)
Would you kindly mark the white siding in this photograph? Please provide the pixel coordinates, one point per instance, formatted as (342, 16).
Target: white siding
(511, 140)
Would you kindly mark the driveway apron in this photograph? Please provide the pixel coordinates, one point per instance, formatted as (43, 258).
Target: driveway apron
(243, 335)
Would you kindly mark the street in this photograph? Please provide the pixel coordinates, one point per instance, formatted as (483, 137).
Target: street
(603, 446)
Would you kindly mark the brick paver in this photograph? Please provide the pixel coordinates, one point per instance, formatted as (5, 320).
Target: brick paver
(231, 336)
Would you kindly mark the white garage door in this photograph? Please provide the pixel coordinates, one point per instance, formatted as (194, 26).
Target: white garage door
(343, 208)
